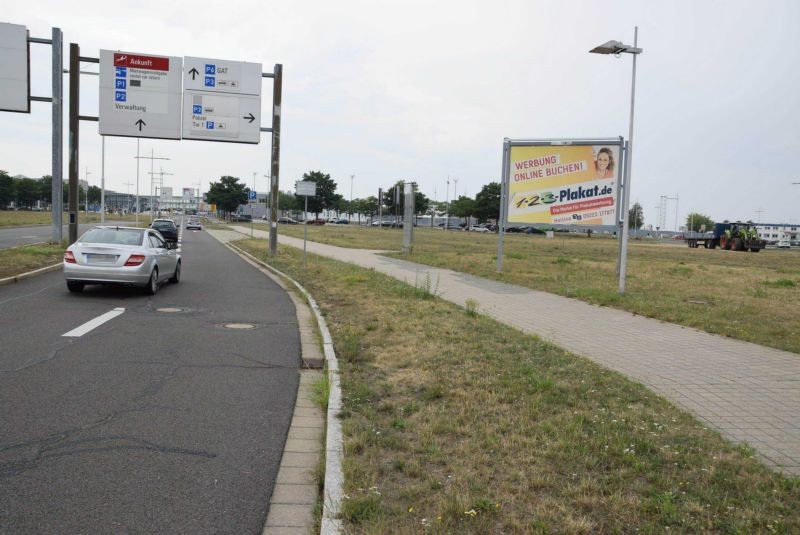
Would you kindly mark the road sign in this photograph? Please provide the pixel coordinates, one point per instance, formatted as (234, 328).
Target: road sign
(221, 100)
(140, 95)
(251, 196)
(14, 73)
(305, 188)
(221, 76)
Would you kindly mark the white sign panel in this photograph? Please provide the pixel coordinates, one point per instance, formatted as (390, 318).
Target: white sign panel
(221, 100)
(140, 95)
(220, 117)
(305, 188)
(166, 194)
(14, 77)
(238, 77)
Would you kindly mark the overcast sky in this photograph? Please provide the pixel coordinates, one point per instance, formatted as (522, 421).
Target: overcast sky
(424, 90)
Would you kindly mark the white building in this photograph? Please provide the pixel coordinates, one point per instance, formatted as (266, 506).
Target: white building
(775, 232)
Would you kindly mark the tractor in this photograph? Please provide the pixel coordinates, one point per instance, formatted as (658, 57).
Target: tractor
(737, 237)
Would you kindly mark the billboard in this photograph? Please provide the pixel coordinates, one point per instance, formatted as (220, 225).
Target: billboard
(563, 182)
(14, 73)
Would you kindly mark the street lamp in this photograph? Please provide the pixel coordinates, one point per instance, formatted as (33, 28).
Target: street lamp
(617, 48)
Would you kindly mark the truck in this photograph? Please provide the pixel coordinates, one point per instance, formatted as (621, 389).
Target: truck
(736, 236)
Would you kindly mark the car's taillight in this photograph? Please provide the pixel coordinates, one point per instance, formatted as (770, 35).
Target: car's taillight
(69, 258)
(135, 260)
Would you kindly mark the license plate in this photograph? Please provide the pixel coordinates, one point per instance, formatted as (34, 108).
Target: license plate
(93, 258)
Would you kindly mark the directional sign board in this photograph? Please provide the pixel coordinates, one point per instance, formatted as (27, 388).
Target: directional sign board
(221, 100)
(14, 68)
(305, 188)
(140, 95)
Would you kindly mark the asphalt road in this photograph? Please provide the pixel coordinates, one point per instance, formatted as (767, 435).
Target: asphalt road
(155, 421)
(14, 236)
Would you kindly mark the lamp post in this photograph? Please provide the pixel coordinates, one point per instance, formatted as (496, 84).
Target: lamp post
(617, 48)
(350, 214)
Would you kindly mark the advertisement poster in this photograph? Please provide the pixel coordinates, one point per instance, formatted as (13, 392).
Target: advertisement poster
(563, 184)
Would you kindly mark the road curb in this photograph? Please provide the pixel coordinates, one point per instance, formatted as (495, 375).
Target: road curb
(334, 477)
(21, 276)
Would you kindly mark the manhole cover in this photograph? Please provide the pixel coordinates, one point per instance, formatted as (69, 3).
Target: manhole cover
(244, 326)
(169, 309)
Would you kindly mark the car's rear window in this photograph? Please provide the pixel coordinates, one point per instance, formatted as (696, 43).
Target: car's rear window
(121, 236)
(163, 224)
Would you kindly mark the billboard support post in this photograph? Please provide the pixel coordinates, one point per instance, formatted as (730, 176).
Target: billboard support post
(503, 195)
(57, 186)
(74, 123)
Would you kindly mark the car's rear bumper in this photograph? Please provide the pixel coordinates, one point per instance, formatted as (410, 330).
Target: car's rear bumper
(134, 275)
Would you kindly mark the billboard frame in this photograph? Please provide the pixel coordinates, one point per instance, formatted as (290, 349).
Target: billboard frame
(621, 193)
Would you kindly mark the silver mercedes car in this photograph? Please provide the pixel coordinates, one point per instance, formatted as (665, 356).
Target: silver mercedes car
(121, 255)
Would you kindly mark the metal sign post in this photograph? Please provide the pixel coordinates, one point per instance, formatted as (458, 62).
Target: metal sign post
(305, 188)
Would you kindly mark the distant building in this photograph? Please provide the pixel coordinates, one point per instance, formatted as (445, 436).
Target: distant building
(775, 232)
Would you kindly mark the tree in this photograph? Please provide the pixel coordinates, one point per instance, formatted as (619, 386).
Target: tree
(46, 188)
(421, 201)
(636, 216)
(695, 221)
(487, 202)
(28, 191)
(94, 195)
(326, 196)
(7, 189)
(463, 207)
(228, 194)
(287, 202)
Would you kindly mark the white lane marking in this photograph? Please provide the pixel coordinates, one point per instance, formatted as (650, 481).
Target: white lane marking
(93, 324)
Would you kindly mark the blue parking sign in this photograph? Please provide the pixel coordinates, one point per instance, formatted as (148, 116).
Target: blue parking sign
(121, 83)
(119, 96)
(121, 72)
(209, 125)
(252, 195)
(197, 109)
(210, 81)
(211, 69)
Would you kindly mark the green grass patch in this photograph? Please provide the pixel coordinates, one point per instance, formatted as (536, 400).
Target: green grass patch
(780, 283)
(18, 260)
(662, 277)
(456, 425)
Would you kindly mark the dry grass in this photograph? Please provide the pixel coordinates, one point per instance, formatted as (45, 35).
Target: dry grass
(29, 257)
(10, 218)
(746, 296)
(454, 423)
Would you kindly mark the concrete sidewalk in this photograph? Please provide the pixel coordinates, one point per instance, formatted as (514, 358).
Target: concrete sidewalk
(749, 393)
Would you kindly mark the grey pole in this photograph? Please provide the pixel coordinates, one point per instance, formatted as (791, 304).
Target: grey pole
(503, 207)
(621, 188)
(627, 191)
(57, 187)
(103, 181)
(74, 111)
(305, 229)
(137, 181)
(447, 205)
(275, 157)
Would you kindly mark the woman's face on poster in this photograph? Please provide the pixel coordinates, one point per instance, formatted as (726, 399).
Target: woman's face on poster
(602, 161)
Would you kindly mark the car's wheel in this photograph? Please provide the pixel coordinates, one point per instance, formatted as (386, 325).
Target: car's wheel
(176, 277)
(75, 286)
(152, 284)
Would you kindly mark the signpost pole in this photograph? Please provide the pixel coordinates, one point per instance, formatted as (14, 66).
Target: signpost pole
(57, 187)
(103, 181)
(275, 157)
(137, 181)
(74, 100)
(305, 230)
